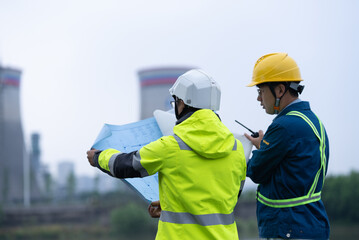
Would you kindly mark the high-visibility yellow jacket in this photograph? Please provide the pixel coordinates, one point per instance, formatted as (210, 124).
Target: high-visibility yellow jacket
(201, 171)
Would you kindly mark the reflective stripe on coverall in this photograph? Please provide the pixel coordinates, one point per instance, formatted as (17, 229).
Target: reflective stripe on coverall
(311, 196)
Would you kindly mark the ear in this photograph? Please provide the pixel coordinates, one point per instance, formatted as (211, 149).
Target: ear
(181, 102)
(280, 90)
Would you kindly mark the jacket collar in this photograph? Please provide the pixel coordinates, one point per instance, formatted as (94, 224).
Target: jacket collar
(295, 105)
(187, 115)
(184, 117)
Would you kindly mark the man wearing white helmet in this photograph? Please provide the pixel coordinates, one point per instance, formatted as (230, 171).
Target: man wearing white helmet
(291, 160)
(201, 168)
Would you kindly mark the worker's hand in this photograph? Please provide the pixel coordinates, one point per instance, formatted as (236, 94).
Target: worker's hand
(90, 154)
(255, 141)
(154, 209)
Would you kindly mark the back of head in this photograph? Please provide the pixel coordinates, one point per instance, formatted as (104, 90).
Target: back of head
(197, 89)
(275, 67)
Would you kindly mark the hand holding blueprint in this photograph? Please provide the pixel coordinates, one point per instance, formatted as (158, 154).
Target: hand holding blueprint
(128, 138)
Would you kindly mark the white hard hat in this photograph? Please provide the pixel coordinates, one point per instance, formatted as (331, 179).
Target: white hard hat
(197, 89)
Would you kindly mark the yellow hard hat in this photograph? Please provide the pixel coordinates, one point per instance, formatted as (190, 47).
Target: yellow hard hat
(275, 67)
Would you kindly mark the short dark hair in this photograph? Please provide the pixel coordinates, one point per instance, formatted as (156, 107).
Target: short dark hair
(292, 92)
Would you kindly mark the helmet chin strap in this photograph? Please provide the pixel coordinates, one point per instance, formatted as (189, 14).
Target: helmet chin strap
(277, 100)
(276, 106)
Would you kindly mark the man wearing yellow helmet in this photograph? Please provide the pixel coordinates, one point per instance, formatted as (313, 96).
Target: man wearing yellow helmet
(291, 159)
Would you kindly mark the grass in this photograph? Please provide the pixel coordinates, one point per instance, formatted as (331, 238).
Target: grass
(64, 232)
(341, 231)
(247, 229)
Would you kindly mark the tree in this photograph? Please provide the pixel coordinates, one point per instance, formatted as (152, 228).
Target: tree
(48, 185)
(5, 185)
(341, 197)
(71, 185)
(132, 220)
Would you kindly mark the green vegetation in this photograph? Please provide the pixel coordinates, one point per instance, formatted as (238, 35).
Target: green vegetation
(341, 198)
(247, 228)
(5, 185)
(1, 216)
(49, 185)
(131, 220)
(71, 186)
(126, 216)
(340, 231)
(57, 232)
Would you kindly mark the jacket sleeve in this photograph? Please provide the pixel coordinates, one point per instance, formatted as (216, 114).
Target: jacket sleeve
(120, 165)
(272, 151)
(158, 154)
(146, 161)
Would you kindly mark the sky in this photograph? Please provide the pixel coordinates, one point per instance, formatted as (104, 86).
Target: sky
(80, 61)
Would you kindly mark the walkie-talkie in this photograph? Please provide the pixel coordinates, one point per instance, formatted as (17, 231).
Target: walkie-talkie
(254, 134)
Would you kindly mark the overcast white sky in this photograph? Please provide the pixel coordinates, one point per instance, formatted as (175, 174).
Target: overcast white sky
(80, 61)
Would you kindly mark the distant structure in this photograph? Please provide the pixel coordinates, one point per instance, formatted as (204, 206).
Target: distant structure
(39, 171)
(64, 170)
(18, 171)
(66, 181)
(12, 148)
(35, 150)
(101, 183)
(155, 83)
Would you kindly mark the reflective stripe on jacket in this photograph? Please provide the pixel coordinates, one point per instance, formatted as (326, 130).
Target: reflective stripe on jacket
(201, 170)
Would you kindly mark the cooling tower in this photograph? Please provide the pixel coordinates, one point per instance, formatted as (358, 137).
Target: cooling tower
(12, 146)
(155, 83)
(11, 138)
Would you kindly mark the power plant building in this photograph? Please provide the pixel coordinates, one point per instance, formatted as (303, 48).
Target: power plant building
(155, 83)
(12, 149)
(14, 187)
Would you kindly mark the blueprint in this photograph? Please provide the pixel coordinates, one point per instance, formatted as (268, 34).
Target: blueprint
(128, 138)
